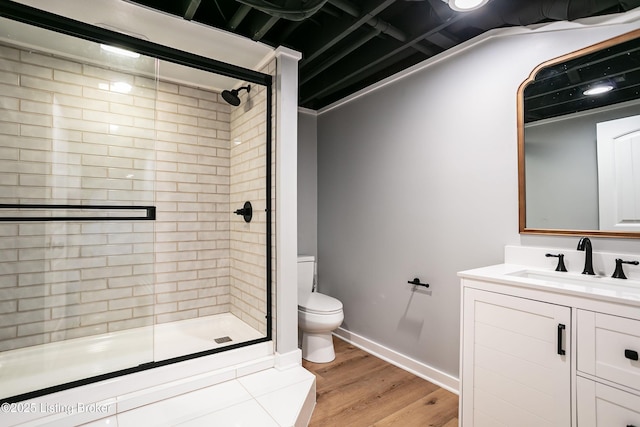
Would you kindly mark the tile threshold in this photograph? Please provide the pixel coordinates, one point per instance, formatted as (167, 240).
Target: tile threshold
(268, 398)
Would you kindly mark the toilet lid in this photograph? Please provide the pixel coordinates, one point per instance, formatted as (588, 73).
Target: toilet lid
(318, 303)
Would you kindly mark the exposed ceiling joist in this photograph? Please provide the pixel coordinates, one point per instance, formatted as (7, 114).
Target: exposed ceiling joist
(377, 23)
(354, 45)
(380, 58)
(266, 23)
(190, 9)
(351, 70)
(239, 16)
(347, 44)
(323, 44)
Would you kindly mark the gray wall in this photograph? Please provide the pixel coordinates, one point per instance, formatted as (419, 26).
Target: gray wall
(418, 178)
(307, 183)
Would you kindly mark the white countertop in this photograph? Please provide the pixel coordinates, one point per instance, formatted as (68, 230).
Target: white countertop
(594, 287)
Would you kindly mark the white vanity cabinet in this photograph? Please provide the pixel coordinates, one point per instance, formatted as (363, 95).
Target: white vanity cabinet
(516, 361)
(548, 352)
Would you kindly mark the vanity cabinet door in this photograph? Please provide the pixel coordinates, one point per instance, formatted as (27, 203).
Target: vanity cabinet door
(602, 406)
(515, 361)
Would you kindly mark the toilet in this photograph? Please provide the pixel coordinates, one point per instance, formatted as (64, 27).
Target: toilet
(318, 316)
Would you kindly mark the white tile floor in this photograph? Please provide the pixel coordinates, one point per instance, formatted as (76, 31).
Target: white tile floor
(269, 398)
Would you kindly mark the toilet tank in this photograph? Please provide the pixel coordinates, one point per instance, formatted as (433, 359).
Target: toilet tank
(306, 268)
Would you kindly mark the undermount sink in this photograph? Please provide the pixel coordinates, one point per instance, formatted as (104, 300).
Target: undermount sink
(572, 278)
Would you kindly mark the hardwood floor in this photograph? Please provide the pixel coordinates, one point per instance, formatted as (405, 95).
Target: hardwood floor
(358, 389)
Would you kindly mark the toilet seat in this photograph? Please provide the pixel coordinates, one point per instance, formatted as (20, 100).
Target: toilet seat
(317, 303)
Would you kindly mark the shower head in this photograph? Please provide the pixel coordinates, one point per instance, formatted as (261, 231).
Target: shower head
(231, 96)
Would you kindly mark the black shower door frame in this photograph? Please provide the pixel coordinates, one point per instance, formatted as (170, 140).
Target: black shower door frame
(42, 19)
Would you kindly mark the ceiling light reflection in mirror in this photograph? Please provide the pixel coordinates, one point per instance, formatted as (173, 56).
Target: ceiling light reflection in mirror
(561, 108)
(598, 90)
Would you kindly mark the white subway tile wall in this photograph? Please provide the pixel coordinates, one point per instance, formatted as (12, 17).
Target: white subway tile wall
(67, 137)
(247, 183)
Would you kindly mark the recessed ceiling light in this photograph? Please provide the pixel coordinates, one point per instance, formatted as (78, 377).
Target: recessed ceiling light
(119, 51)
(466, 5)
(597, 90)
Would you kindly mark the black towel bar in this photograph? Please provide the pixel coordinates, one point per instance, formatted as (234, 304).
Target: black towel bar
(150, 213)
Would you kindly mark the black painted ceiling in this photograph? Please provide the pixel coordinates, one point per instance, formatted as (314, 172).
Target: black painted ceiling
(348, 45)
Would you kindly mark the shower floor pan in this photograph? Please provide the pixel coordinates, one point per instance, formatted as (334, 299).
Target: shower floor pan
(38, 367)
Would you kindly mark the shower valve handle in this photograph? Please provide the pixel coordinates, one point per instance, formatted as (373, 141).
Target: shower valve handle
(246, 211)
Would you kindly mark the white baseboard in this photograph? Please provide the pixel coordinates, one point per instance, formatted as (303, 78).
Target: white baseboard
(419, 369)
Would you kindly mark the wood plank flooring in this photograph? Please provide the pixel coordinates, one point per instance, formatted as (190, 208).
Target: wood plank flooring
(358, 390)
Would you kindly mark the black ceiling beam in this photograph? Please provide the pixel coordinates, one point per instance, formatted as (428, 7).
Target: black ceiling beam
(289, 29)
(343, 31)
(373, 74)
(263, 27)
(375, 22)
(360, 69)
(191, 6)
(355, 44)
(443, 39)
(347, 72)
(239, 16)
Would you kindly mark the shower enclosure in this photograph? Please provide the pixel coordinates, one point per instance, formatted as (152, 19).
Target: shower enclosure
(122, 176)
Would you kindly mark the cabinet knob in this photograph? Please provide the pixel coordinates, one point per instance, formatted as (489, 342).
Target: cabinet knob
(631, 354)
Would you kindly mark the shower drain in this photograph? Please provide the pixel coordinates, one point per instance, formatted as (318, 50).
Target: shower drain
(222, 339)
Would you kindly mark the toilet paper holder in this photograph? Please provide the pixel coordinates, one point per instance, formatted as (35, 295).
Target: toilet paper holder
(416, 282)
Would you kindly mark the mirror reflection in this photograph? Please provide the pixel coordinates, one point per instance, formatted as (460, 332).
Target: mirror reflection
(579, 142)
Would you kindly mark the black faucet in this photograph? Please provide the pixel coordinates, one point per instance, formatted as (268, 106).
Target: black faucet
(585, 245)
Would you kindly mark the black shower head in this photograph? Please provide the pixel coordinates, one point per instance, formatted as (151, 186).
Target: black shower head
(231, 96)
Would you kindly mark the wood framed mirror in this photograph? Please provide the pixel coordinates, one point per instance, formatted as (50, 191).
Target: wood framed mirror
(579, 142)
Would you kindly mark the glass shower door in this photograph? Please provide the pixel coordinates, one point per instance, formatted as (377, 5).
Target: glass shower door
(120, 247)
(77, 166)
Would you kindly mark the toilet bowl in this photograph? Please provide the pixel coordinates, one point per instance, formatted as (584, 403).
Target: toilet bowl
(318, 316)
